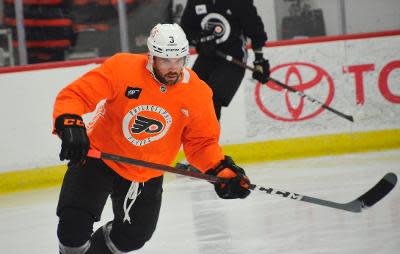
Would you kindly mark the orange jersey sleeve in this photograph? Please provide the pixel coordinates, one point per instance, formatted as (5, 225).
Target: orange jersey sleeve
(82, 95)
(143, 119)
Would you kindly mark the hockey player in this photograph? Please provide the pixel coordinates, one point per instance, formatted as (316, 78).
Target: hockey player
(153, 104)
(224, 25)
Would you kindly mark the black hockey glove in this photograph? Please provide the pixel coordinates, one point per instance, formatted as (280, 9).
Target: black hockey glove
(75, 142)
(206, 45)
(261, 68)
(234, 182)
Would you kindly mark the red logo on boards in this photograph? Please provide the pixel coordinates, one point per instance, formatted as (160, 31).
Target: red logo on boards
(281, 104)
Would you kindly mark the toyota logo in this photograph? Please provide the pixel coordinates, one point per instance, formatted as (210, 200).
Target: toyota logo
(281, 104)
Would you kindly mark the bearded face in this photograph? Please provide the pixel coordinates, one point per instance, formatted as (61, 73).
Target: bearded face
(168, 70)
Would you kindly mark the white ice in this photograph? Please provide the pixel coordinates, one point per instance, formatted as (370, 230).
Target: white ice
(194, 221)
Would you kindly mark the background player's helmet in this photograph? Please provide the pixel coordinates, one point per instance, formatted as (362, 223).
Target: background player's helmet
(166, 41)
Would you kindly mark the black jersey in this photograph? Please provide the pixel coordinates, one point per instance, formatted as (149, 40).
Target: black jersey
(231, 20)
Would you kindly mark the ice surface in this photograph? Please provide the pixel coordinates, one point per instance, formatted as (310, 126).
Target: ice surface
(194, 221)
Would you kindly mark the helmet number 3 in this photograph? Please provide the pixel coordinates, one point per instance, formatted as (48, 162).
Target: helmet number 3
(171, 39)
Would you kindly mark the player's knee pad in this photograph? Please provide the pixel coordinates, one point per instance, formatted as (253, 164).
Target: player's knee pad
(75, 227)
(101, 242)
(98, 243)
(121, 242)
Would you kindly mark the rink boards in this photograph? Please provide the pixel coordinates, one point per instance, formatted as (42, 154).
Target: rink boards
(358, 75)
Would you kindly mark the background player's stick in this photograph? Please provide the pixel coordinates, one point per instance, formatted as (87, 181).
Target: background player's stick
(368, 199)
(289, 88)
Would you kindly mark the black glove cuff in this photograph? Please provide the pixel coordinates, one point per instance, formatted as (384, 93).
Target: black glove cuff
(68, 120)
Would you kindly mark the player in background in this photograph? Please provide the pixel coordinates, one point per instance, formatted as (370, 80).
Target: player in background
(153, 105)
(224, 25)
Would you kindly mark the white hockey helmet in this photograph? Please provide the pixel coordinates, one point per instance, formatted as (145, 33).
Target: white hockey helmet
(168, 41)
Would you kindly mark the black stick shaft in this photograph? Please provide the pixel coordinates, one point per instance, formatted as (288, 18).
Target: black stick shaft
(100, 155)
(289, 88)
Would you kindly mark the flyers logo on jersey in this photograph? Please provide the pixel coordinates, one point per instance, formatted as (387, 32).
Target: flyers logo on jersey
(145, 124)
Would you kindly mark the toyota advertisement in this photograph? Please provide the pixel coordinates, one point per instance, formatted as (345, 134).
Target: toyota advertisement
(359, 77)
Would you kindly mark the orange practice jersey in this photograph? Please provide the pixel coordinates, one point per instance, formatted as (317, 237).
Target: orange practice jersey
(142, 118)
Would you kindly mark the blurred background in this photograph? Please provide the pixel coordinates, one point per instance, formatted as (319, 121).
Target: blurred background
(37, 31)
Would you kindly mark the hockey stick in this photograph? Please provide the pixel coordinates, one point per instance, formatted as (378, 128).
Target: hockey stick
(368, 199)
(289, 88)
